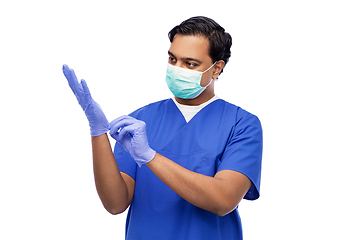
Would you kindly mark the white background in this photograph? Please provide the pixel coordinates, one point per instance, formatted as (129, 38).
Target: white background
(295, 64)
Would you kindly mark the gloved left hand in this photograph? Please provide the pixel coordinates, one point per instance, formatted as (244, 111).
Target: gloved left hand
(131, 133)
(96, 117)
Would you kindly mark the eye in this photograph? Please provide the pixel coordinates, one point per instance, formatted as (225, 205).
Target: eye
(191, 64)
(172, 60)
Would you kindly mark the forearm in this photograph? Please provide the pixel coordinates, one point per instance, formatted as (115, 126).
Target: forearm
(110, 185)
(210, 193)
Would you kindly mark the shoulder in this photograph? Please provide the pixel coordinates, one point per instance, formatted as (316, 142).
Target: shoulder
(149, 109)
(238, 114)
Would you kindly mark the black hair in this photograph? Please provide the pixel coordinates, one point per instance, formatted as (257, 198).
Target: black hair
(220, 41)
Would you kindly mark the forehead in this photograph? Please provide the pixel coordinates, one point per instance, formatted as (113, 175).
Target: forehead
(189, 46)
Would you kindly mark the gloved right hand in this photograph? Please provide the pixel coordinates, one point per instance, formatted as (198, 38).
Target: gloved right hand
(131, 133)
(96, 117)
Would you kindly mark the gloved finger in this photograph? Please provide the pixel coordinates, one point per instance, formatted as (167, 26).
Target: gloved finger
(72, 80)
(86, 90)
(120, 123)
(115, 136)
(127, 131)
(85, 87)
(114, 128)
(115, 125)
(113, 122)
(124, 118)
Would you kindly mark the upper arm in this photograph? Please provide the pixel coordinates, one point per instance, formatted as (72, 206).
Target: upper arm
(243, 154)
(130, 186)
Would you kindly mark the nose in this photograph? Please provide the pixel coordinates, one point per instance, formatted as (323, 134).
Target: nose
(179, 64)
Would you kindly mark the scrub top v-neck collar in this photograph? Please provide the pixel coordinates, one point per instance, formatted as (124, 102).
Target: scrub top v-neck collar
(189, 112)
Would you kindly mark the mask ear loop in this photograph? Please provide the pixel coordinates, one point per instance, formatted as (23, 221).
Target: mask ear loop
(203, 89)
(209, 83)
(208, 70)
(209, 67)
(211, 78)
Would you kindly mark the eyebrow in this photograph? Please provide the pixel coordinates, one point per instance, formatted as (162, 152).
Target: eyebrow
(185, 59)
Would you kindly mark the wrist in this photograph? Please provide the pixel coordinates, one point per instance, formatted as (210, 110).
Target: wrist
(147, 157)
(98, 127)
(151, 155)
(95, 132)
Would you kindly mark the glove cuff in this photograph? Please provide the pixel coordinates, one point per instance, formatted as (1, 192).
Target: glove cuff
(99, 130)
(147, 157)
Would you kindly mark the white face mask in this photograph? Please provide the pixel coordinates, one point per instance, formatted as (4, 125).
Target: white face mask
(185, 83)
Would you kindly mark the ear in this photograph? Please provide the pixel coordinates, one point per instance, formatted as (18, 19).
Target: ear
(217, 68)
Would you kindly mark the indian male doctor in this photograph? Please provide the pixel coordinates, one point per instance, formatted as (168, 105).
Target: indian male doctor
(182, 165)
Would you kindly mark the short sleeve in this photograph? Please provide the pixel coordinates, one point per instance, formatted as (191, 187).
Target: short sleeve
(243, 152)
(124, 161)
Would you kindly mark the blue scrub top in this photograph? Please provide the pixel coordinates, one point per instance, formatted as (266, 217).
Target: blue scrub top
(221, 136)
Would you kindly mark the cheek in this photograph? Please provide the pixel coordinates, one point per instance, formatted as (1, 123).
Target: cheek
(206, 78)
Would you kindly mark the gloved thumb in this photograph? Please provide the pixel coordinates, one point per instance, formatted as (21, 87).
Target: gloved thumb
(85, 87)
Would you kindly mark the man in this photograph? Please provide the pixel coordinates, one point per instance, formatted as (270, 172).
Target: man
(181, 164)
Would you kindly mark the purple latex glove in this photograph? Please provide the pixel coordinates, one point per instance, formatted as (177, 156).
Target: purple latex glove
(131, 133)
(96, 117)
